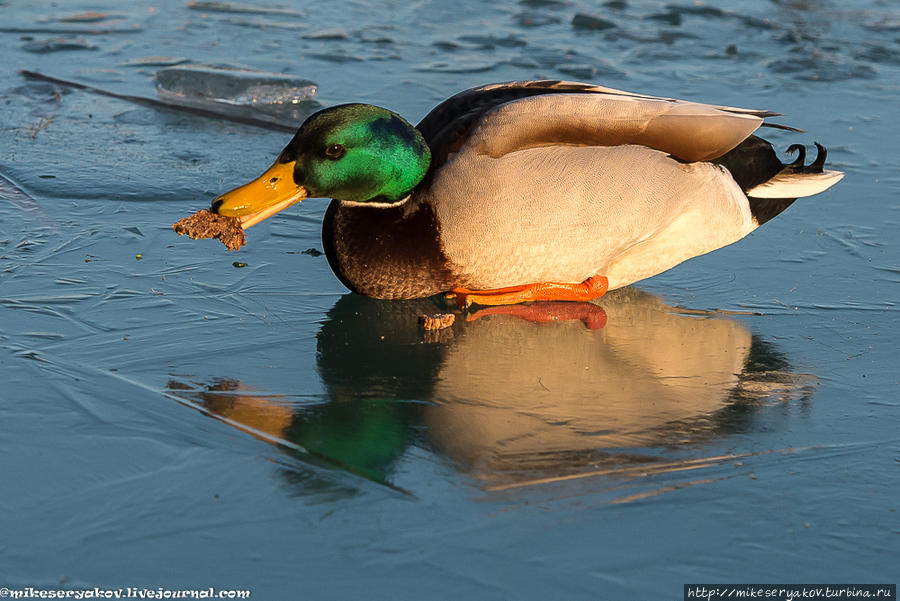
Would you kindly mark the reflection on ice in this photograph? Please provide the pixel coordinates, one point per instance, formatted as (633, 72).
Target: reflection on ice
(525, 395)
(237, 88)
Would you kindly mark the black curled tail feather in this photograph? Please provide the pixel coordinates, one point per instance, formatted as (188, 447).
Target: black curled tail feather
(798, 166)
(818, 165)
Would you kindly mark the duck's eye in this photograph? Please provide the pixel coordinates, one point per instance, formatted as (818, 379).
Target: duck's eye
(335, 151)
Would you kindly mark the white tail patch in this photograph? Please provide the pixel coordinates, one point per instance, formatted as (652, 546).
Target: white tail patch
(796, 185)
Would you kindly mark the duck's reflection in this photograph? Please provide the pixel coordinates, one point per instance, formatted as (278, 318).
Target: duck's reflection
(521, 394)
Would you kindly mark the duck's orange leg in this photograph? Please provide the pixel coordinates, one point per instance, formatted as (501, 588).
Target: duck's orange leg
(591, 288)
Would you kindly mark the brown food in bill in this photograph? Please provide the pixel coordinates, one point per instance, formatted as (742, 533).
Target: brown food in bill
(205, 224)
(274, 191)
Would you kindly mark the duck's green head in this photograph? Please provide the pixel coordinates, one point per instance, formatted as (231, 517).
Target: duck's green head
(355, 152)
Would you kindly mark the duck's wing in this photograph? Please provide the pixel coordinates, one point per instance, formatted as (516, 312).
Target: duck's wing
(502, 118)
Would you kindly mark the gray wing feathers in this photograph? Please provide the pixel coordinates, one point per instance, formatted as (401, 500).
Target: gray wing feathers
(574, 86)
(689, 131)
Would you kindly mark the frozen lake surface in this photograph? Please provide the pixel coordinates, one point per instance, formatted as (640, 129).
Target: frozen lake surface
(176, 415)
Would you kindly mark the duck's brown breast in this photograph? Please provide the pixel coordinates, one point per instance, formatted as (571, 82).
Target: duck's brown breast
(389, 251)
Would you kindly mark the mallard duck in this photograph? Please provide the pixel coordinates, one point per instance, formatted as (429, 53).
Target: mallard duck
(528, 191)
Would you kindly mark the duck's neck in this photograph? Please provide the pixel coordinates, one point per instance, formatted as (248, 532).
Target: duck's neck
(389, 251)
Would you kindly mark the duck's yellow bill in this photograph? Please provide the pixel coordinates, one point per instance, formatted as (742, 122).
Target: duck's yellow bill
(273, 191)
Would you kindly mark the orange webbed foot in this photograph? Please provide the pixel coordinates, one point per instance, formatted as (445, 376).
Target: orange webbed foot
(593, 287)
